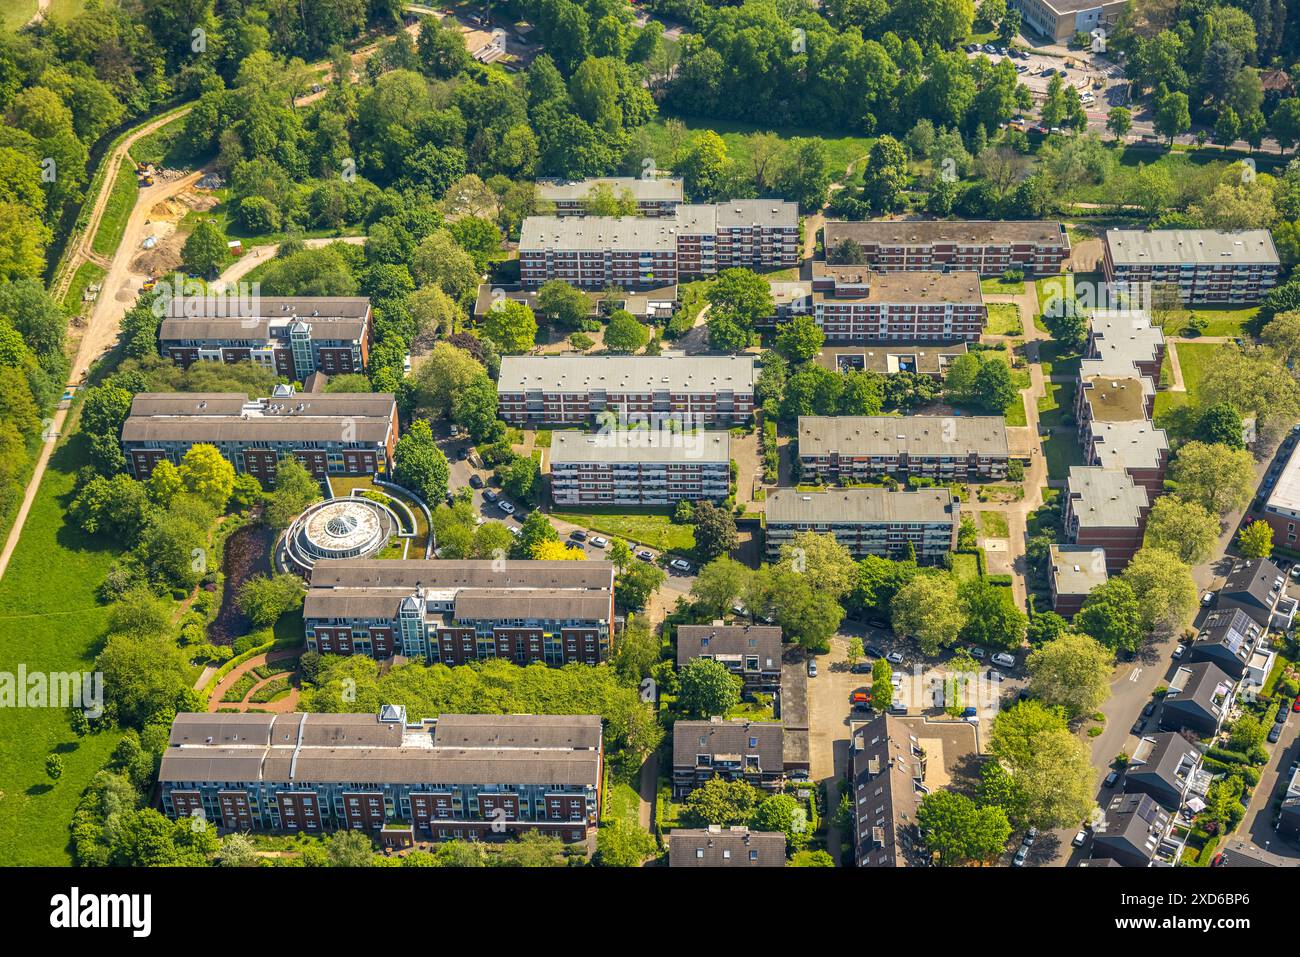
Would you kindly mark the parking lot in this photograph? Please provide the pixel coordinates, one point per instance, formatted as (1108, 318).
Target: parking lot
(1100, 83)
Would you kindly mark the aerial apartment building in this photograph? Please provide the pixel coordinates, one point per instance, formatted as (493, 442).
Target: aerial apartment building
(454, 612)
(639, 467)
(863, 447)
(1105, 509)
(653, 197)
(1206, 265)
(292, 336)
(854, 304)
(697, 391)
(1281, 509)
(646, 305)
(336, 433)
(1075, 571)
(633, 252)
(888, 358)
(716, 846)
(1060, 20)
(736, 750)
(455, 777)
(867, 521)
(986, 247)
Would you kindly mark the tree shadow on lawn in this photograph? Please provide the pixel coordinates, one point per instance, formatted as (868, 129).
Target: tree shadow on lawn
(69, 458)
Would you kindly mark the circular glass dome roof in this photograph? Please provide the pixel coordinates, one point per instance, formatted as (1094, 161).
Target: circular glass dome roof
(341, 526)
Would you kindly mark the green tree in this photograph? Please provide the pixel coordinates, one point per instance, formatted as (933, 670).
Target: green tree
(636, 583)
(715, 531)
(1072, 671)
(1172, 116)
(1119, 121)
(1184, 529)
(781, 812)
(1256, 540)
(718, 585)
(1218, 478)
(624, 334)
(206, 474)
(205, 249)
(419, 464)
(293, 490)
(511, 325)
(620, 843)
(562, 304)
(991, 617)
(1111, 615)
(799, 339)
(958, 830)
(721, 802)
(264, 598)
(928, 609)
(884, 179)
(882, 686)
(707, 688)
(1051, 767)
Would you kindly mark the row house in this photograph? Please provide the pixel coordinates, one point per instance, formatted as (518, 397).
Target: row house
(639, 467)
(1168, 767)
(945, 448)
(695, 391)
(1258, 587)
(337, 433)
(632, 252)
(1133, 832)
(987, 247)
(716, 846)
(1205, 265)
(736, 750)
(456, 777)
(1105, 509)
(653, 196)
(751, 652)
(867, 521)
(455, 612)
(1199, 698)
(291, 336)
(885, 358)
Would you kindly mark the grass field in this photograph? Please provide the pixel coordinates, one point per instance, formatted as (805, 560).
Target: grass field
(121, 200)
(840, 150)
(1193, 173)
(14, 13)
(994, 524)
(87, 274)
(1004, 320)
(654, 530)
(1195, 359)
(997, 287)
(50, 621)
(1057, 403)
(1224, 322)
(1061, 450)
(965, 566)
(161, 147)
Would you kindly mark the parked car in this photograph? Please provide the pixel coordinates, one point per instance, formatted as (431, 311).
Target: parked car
(1110, 780)
(645, 555)
(812, 667)
(1019, 859)
(1004, 660)
(475, 481)
(578, 535)
(1274, 733)
(874, 651)
(861, 668)
(506, 507)
(1207, 599)
(898, 708)
(894, 657)
(1149, 710)
(1139, 726)
(1179, 650)
(995, 675)
(1079, 839)
(1296, 706)
(969, 714)
(977, 653)
(680, 565)
(1282, 714)
(860, 699)
(599, 541)
(490, 496)
(1030, 836)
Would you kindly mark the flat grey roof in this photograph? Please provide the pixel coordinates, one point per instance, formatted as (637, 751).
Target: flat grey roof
(577, 731)
(887, 358)
(652, 233)
(1202, 247)
(892, 434)
(859, 505)
(641, 446)
(920, 287)
(231, 417)
(637, 302)
(434, 573)
(648, 190)
(1076, 569)
(1125, 334)
(915, 232)
(1105, 498)
(1135, 444)
(651, 374)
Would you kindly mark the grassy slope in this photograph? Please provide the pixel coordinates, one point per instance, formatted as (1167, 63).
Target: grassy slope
(121, 200)
(14, 13)
(841, 150)
(49, 621)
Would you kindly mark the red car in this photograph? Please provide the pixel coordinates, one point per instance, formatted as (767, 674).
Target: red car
(1296, 705)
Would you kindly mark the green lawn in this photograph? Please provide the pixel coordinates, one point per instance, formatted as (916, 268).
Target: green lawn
(121, 200)
(1195, 359)
(14, 13)
(1224, 322)
(840, 150)
(994, 524)
(50, 621)
(162, 147)
(621, 801)
(965, 566)
(1061, 450)
(1057, 403)
(87, 274)
(998, 287)
(655, 530)
(1004, 320)
(1056, 360)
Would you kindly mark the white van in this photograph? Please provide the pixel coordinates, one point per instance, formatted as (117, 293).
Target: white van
(1005, 660)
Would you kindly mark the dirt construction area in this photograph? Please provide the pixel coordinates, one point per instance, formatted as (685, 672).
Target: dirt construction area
(162, 231)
